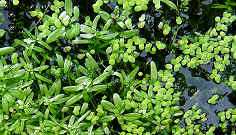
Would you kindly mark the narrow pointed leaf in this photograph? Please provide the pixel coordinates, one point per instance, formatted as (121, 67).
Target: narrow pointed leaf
(101, 78)
(84, 108)
(92, 63)
(53, 36)
(87, 36)
(68, 6)
(97, 88)
(74, 99)
(72, 88)
(56, 87)
(109, 36)
(107, 118)
(86, 29)
(132, 116)
(132, 75)
(42, 78)
(6, 50)
(105, 16)
(170, 4)
(57, 98)
(129, 33)
(95, 21)
(153, 71)
(84, 41)
(84, 80)
(67, 64)
(60, 60)
(45, 45)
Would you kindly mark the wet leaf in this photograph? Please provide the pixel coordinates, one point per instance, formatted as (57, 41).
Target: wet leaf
(6, 50)
(153, 71)
(68, 6)
(74, 99)
(101, 78)
(170, 4)
(132, 116)
(55, 35)
(108, 105)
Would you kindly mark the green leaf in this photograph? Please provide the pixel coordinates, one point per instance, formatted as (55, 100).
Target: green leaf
(68, 7)
(82, 70)
(80, 41)
(76, 110)
(107, 118)
(109, 36)
(19, 42)
(132, 116)
(56, 87)
(153, 71)
(42, 78)
(82, 117)
(3, 3)
(118, 103)
(92, 64)
(83, 80)
(57, 98)
(76, 13)
(157, 4)
(44, 44)
(107, 25)
(95, 21)
(19, 73)
(170, 4)
(178, 20)
(90, 129)
(75, 30)
(87, 36)
(129, 33)
(2, 32)
(28, 33)
(105, 16)
(97, 88)
(60, 101)
(53, 36)
(60, 60)
(74, 99)
(132, 75)
(5, 105)
(101, 78)
(6, 50)
(44, 90)
(67, 64)
(72, 88)
(41, 68)
(86, 29)
(108, 106)
(84, 108)
(15, 2)
(121, 78)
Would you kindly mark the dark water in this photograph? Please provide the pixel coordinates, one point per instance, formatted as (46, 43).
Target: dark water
(200, 17)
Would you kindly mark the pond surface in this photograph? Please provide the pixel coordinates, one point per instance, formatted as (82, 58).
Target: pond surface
(200, 17)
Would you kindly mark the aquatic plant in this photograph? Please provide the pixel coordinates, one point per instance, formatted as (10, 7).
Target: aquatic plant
(105, 73)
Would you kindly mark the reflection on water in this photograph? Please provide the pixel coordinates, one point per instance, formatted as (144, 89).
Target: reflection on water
(205, 90)
(4, 17)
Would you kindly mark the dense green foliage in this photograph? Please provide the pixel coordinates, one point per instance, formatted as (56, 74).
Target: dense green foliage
(91, 75)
